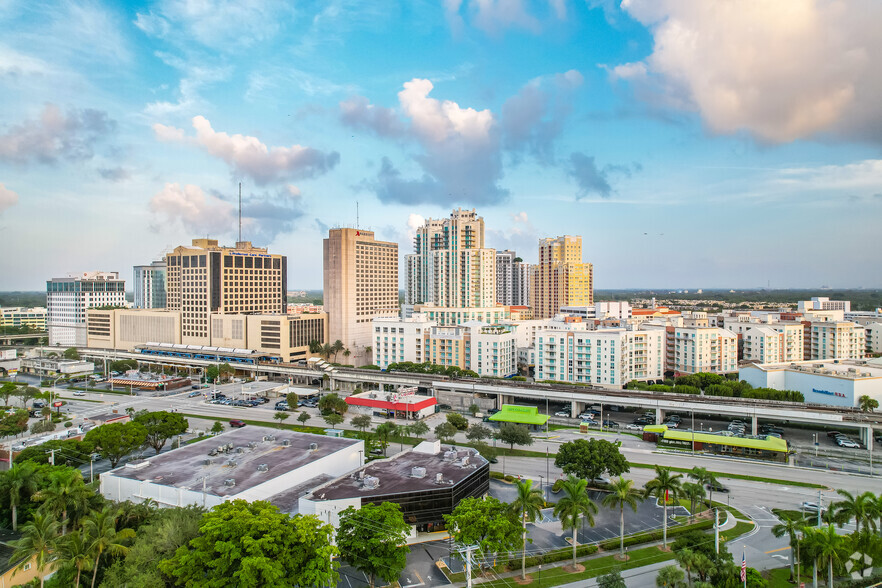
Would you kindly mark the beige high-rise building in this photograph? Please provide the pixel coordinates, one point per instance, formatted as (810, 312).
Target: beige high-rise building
(360, 284)
(206, 278)
(560, 278)
(450, 266)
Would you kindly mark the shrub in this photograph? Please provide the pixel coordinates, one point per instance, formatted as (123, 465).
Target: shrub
(656, 535)
(68, 424)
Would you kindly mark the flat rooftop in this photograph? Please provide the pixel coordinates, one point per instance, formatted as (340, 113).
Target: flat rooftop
(855, 369)
(251, 446)
(395, 475)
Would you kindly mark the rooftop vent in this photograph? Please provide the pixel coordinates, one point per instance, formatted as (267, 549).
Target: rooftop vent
(371, 482)
(418, 472)
(269, 438)
(465, 461)
(232, 463)
(240, 450)
(313, 446)
(439, 478)
(361, 474)
(262, 467)
(449, 455)
(208, 462)
(230, 482)
(229, 446)
(137, 465)
(286, 442)
(252, 444)
(221, 448)
(213, 452)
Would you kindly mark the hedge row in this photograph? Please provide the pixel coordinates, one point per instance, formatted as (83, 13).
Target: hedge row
(552, 556)
(656, 535)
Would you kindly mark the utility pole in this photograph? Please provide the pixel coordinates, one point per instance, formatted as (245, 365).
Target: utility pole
(469, 566)
(91, 473)
(717, 530)
(52, 456)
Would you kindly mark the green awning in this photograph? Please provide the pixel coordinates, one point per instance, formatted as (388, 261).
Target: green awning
(515, 413)
(768, 444)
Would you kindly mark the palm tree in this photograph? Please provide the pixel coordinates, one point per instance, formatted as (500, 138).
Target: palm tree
(66, 493)
(867, 403)
(326, 351)
(686, 558)
(826, 544)
(695, 493)
(73, 550)
(527, 505)
(575, 506)
(102, 536)
(861, 507)
(19, 478)
(791, 528)
(38, 541)
(315, 346)
(704, 477)
(622, 494)
(346, 353)
(336, 348)
(665, 487)
(669, 577)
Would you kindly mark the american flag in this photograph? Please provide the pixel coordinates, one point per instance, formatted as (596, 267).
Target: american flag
(743, 568)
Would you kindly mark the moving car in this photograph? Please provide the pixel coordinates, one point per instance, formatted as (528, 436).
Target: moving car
(848, 443)
(194, 394)
(237, 423)
(717, 487)
(634, 426)
(812, 507)
(79, 393)
(587, 416)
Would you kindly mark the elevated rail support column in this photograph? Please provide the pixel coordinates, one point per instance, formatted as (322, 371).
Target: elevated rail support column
(753, 423)
(659, 416)
(574, 408)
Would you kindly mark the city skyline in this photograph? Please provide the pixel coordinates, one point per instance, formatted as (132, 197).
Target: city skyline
(680, 158)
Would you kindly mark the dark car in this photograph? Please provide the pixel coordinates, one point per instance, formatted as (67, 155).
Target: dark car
(611, 424)
(717, 487)
(445, 407)
(38, 404)
(237, 423)
(833, 433)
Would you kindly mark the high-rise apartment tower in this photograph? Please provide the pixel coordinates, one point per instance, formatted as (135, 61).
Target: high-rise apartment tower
(560, 278)
(512, 279)
(149, 285)
(68, 298)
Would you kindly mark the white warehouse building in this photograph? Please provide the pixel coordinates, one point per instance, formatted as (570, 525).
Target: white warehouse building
(835, 383)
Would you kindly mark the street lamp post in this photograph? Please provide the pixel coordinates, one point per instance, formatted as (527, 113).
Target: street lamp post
(542, 485)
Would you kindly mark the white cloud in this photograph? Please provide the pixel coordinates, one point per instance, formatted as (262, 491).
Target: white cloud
(249, 156)
(7, 198)
(414, 222)
(195, 77)
(862, 177)
(780, 70)
(198, 212)
(436, 121)
(55, 136)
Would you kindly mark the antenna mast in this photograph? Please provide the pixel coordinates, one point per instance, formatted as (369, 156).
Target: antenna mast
(356, 214)
(240, 212)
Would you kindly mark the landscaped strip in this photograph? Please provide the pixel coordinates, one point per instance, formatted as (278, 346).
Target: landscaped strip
(650, 466)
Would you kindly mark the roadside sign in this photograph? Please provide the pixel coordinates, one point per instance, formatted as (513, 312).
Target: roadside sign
(57, 403)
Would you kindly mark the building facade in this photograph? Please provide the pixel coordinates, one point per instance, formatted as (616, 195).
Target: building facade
(690, 350)
(446, 316)
(834, 340)
(67, 300)
(205, 278)
(360, 283)
(450, 265)
(560, 278)
(837, 383)
(23, 317)
(512, 279)
(149, 285)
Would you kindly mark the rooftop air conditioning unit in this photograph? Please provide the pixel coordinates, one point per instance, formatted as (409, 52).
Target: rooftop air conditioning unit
(418, 472)
(371, 482)
(230, 482)
(252, 444)
(262, 467)
(232, 463)
(465, 461)
(439, 478)
(286, 442)
(207, 462)
(449, 455)
(240, 450)
(229, 446)
(313, 446)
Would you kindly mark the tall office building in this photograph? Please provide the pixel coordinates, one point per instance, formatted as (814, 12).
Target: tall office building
(206, 278)
(512, 279)
(450, 266)
(68, 298)
(561, 278)
(150, 285)
(360, 283)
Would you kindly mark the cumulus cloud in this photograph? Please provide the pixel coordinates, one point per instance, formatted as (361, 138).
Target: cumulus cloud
(779, 70)
(7, 198)
(592, 179)
(533, 118)
(249, 156)
(359, 113)
(460, 150)
(520, 236)
(55, 136)
(263, 215)
(114, 174)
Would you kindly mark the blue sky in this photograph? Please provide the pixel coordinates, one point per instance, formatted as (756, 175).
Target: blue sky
(691, 144)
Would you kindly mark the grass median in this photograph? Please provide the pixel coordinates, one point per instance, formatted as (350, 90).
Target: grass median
(649, 466)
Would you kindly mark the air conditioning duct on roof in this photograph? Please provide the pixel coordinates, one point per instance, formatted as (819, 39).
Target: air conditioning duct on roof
(371, 482)
(313, 446)
(418, 472)
(230, 482)
(449, 455)
(286, 442)
(262, 467)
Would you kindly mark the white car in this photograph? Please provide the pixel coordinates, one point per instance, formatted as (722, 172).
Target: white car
(562, 413)
(634, 427)
(586, 416)
(848, 443)
(79, 393)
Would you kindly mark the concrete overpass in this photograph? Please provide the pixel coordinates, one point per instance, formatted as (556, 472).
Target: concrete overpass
(8, 339)
(578, 397)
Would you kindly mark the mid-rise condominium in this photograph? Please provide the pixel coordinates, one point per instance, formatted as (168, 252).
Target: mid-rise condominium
(561, 278)
(68, 298)
(450, 266)
(512, 279)
(206, 278)
(149, 285)
(360, 284)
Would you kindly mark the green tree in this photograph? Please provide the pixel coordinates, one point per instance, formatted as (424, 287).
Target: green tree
(217, 427)
(478, 433)
(419, 428)
(867, 403)
(665, 487)
(332, 403)
(590, 458)
(373, 540)
(611, 580)
(38, 540)
(528, 506)
(669, 577)
(244, 543)
(103, 537)
(18, 480)
(458, 421)
(161, 426)
(303, 417)
(704, 477)
(15, 423)
(7, 390)
(695, 494)
(827, 546)
(622, 493)
(336, 347)
(292, 399)
(791, 528)
(445, 432)
(333, 419)
(860, 507)
(575, 507)
(280, 416)
(115, 441)
(474, 409)
(212, 373)
(73, 550)
(71, 353)
(361, 422)
(489, 524)
(226, 371)
(65, 494)
(686, 558)
(514, 434)
(326, 351)
(315, 346)
(384, 432)
(68, 451)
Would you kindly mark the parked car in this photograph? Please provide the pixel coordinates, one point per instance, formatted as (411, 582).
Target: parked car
(849, 443)
(282, 405)
(600, 481)
(237, 423)
(445, 407)
(634, 426)
(833, 433)
(38, 404)
(672, 424)
(562, 413)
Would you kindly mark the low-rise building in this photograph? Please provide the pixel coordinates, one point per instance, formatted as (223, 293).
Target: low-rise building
(836, 382)
(834, 339)
(444, 316)
(46, 366)
(692, 350)
(23, 317)
(404, 403)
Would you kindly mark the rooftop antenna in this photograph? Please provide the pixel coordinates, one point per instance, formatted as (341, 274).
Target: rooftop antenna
(356, 214)
(240, 212)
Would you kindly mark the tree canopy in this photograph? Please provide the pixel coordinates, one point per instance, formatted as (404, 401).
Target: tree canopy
(117, 440)
(253, 544)
(372, 539)
(161, 426)
(591, 458)
(514, 434)
(490, 524)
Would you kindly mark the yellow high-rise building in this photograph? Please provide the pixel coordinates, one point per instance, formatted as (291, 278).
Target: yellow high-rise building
(561, 278)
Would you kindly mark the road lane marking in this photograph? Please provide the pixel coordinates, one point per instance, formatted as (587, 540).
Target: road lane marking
(777, 550)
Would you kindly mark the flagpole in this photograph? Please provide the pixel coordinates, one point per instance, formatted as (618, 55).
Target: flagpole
(743, 566)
